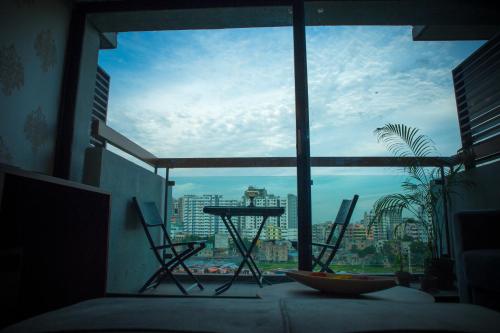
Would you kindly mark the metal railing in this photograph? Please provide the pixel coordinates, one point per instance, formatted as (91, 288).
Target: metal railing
(104, 132)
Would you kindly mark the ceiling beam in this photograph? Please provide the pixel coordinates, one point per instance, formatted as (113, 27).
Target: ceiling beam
(144, 15)
(454, 32)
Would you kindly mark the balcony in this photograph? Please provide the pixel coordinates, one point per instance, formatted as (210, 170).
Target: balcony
(71, 239)
(360, 251)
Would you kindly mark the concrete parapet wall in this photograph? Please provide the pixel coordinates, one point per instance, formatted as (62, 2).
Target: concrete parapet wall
(484, 191)
(130, 260)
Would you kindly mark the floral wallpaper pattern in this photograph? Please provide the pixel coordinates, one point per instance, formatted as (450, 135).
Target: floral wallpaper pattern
(11, 69)
(45, 47)
(4, 152)
(36, 129)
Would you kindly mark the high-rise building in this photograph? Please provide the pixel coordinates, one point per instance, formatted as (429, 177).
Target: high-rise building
(356, 232)
(292, 210)
(415, 230)
(251, 224)
(374, 231)
(384, 229)
(189, 218)
(292, 231)
(197, 223)
(320, 231)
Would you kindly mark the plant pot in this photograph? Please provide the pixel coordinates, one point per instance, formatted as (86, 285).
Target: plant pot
(428, 283)
(442, 269)
(403, 278)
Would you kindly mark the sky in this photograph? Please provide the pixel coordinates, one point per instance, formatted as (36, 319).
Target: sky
(230, 93)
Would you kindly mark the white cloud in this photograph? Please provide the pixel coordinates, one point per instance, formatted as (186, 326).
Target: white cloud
(229, 93)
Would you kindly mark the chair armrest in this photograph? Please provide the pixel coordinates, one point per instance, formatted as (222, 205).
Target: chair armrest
(154, 224)
(190, 244)
(324, 245)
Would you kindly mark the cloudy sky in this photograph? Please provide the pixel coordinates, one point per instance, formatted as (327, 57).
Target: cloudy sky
(227, 93)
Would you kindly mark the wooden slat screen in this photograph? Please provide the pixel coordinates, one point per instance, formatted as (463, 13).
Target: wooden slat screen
(477, 92)
(100, 105)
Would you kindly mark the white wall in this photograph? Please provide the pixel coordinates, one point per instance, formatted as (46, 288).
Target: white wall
(33, 38)
(480, 192)
(483, 193)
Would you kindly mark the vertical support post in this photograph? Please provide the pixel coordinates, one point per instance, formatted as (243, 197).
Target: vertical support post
(302, 143)
(69, 92)
(445, 210)
(165, 202)
(165, 211)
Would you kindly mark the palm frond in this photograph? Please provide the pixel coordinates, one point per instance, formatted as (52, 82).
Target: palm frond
(392, 204)
(405, 141)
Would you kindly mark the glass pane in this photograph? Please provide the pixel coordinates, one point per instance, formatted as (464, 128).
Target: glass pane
(393, 243)
(361, 78)
(204, 93)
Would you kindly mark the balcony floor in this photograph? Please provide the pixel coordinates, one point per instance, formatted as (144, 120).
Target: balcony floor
(282, 307)
(237, 290)
(278, 291)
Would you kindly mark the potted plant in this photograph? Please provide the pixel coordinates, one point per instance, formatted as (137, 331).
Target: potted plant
(424, 193)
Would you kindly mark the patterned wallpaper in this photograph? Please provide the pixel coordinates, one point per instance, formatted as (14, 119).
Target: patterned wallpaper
(32, 41)
(11, 69)
(36, 130)
(45, 47)
(4, 152)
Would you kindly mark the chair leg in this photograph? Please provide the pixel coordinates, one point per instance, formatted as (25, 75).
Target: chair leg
(200, 286)
(179, 260)
(179, 285)
(324, 266)
(157, 277)
(153, 277)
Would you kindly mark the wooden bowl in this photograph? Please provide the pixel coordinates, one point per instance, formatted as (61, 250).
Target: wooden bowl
(345, 284)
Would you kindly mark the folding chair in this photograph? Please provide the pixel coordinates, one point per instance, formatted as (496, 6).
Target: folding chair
(150, 218)
(342, 220)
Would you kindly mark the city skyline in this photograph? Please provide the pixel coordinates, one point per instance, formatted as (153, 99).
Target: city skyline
(190, 218)
(327, 191)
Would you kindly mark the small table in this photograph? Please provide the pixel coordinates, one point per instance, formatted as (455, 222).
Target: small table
(225, 214)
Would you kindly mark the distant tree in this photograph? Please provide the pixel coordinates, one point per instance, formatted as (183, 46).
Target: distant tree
(388, 251)
(407, 238)
(367, 251)
(419, 251)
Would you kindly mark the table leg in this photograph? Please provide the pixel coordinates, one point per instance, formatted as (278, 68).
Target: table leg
(246, 257)
(244, 247)
(254, 241)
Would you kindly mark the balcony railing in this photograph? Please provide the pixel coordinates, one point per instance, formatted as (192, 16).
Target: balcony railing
(104, 133)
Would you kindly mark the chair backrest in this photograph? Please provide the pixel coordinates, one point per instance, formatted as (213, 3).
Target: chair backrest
(150, 218)
(149, 213)
(343, 218)
(343, 213)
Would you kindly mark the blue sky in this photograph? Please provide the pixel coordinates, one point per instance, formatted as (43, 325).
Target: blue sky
(208, 93)
(227, 93)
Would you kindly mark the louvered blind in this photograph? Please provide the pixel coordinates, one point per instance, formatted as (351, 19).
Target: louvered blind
(477, 92)
(100, 105)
